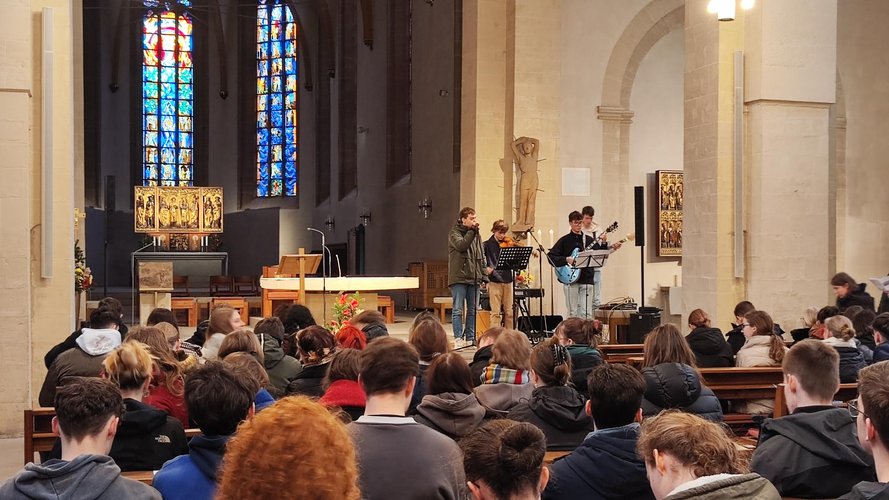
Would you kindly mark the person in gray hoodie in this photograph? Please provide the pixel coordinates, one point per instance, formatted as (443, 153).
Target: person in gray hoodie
(450, 407)
(87, 414)
(813, 452)
(281, 368)
(83, 360)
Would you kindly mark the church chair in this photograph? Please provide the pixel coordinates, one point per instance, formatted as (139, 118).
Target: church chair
(245, 285)
(221, 286)
(180, 286)
(386, 305)
(188, 304)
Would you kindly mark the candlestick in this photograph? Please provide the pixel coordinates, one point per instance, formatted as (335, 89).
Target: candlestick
(551, 232)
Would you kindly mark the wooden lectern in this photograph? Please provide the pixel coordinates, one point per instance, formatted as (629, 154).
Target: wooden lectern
(299, 264)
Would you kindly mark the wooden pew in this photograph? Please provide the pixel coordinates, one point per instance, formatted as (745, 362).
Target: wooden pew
(845, 392)
(742, 384)
(618, 353)
(40, 437)
(551, 456)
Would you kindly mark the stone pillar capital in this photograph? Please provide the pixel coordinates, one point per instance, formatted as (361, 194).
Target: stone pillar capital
(614, 113)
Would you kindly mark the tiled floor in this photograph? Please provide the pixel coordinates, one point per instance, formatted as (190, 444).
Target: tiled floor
(11, 449)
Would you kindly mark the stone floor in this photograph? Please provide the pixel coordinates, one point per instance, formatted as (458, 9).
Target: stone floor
(11, 449)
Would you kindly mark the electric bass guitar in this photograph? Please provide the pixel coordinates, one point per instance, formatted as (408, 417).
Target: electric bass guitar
(569, 274)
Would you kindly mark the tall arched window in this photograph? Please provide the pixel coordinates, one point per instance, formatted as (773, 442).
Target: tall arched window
(276, 100)
(167, 94)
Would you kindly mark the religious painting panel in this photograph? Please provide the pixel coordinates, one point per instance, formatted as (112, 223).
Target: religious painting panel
(179, 209)
(669, 210)
(211, 217)
(145, 209)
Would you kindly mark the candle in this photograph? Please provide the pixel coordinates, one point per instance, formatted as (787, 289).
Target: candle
(551, 238)
(539, 235)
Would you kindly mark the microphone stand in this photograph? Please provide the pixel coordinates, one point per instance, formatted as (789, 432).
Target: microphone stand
(540, 253)
(323, 275)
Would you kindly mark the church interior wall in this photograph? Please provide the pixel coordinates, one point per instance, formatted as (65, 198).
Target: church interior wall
(656, 143)
(863, 66)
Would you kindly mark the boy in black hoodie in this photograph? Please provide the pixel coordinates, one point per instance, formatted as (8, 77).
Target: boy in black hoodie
(813, 452)
(605, 465)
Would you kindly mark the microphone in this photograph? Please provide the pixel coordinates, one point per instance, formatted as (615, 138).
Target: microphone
(143, 248)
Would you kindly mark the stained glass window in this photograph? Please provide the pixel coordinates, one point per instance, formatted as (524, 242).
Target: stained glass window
(276, 100)
(167, 94)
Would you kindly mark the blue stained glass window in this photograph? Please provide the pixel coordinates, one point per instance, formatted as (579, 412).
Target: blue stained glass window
(277, 100)
(167, 94)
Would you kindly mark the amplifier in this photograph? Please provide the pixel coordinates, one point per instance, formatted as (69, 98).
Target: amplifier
(641, 323)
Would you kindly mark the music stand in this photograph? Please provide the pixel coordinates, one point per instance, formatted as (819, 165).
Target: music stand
(591, 258)
(513, 259)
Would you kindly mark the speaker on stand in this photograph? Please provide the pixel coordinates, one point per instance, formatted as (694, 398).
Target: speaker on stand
(639, 204)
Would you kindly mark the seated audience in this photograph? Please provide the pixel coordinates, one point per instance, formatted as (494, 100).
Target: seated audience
(316, 347)
(840, 335)
(763, 348)
(241, 341)
(161, 315)
(863, 323)
(554, 407)
(274, 455)
(250, 367)
(580, 335)
(281, 368)
(451, 407)
(430, 340)
(87, 416)
(871, 414)
(707, 343)
(850, 293)
(349, 337)
(341, 388)
(200, 334)
(219, 398)
(223, 320)
(295, 317)
(188, 355)
(503, 460)
(671, 377)
(735, 337)
(825, 312)
(107, 304)
(605, 466)
(688, 457)
(506, 381)
(810, 316)
(85, 358)
(813, 452)
(881, 335)
(482, 357)
(166, 390)
(372, 323)
(146, 437)
(397, 457)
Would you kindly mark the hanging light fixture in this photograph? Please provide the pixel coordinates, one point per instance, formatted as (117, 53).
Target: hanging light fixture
(725, 9)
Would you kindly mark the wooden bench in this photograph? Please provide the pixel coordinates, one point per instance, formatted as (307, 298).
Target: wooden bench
(845, 392)
(386, 305)
(143, 476)
(742, 384)
(40, 437)
(619, 353)
(551, 456)
(188, 304)
(442, 306)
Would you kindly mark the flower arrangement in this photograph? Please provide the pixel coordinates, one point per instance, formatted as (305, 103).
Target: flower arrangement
(524, 279)
(345, 307)
(83, 276)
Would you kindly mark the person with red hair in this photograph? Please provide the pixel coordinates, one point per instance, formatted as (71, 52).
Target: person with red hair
(350, 337)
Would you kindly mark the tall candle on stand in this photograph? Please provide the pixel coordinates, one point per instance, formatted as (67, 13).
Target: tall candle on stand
(551, 232)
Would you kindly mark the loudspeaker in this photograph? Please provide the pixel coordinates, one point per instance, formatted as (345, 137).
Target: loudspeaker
(641, 324)
(639, 192)
(110, 194)
(538, 326)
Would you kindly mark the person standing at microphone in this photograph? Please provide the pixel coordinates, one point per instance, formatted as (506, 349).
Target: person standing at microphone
(466, 270)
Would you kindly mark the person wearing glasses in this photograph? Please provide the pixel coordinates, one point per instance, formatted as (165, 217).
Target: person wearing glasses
(762, 348)
(812, 452)
(871, 414)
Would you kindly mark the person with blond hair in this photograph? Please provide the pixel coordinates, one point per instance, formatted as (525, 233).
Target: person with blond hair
(146, 437)
(671, 376)
(808, 319)
(506, 380)
(275, 455)
(813, 452)
(504, 460)
(167, 388)
(554, 407)
(840, 335)
(707, 343)
(223, 320)
(688, 457)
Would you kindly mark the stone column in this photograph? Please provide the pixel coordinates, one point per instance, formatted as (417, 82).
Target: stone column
(791, 84)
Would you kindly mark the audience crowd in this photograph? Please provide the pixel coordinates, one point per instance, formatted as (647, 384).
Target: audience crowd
(290, 406)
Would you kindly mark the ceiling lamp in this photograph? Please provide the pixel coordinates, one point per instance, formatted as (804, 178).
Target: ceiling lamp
(725, 9)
